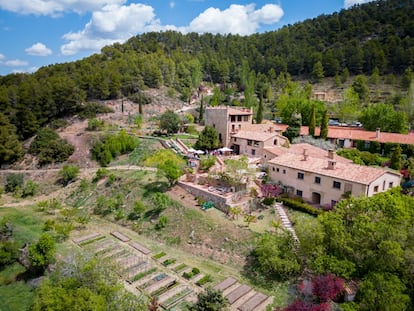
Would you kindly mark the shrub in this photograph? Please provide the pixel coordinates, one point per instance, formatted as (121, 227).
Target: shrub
(69, 173)
(204, 280)
(300, 206)
(100, 173)
(111, 146)
(49, 147)
(95, 125)
(162, 222)
(14, 182)
(29, 189)
(268, 201)
(169, 261)
(207, 162)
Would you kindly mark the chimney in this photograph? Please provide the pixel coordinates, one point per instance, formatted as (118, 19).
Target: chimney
(271, 129)
(377, 133)
(305, 154)
(331, 165)
(331, 154)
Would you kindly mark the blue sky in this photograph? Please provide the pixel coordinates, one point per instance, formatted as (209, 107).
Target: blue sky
(35, 33)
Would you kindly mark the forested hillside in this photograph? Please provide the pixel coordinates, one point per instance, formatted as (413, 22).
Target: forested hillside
(372, 38)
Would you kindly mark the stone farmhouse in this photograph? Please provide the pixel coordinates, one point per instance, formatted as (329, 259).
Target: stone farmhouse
(318, 176)
(325, 180)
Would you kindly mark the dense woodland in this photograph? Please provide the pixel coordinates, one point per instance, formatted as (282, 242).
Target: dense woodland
(375, 38)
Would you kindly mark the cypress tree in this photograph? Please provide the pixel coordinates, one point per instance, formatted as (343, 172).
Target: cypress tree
(324, 125)
(312, 123)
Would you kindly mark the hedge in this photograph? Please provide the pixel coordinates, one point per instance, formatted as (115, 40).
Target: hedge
(300, 206)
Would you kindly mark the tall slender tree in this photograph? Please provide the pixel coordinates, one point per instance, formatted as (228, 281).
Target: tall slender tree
(324, 125)
(312, 123)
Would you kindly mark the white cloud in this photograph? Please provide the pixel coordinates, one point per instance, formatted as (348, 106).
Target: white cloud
(111, 24)
(2, 57)
(172, 4)
(38, 49)
(237, 19)
(55, 7)
(115, 23)
(349, 3)
(16, 63)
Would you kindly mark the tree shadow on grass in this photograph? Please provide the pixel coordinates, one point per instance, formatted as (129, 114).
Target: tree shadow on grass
(153, 213)
(154, 187)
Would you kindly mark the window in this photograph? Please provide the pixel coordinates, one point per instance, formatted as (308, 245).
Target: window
(273, 169)
(235, 139)
(233, 127)
(275, 142)
(300, 175)
(239, 118)
(233, 118)
(299, 193)
(256, 143)
(317, 180)
(253, 151)
(337, 184)
(383, 185)
(390, 185)
(284, 171)
(245, 118)
(375, 188)
(239, 126)
(249, 142)
(277, 170)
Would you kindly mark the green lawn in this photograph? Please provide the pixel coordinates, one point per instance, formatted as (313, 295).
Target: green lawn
(14, 295)
(27, 224)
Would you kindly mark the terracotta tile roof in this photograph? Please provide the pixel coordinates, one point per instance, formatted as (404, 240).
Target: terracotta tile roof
(275, 150)
(354, 133)
(344, 171)
(359, 134)
(255, 135)
(315, 152)
(264, 127)
(311, 150)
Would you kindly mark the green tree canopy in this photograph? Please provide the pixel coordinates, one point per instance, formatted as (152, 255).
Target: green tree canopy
(294, 127)
(208, 139)
(368, 239)
(276, 256)
(80, 283)
(170, 122)
(42, 253)
(210, 300)
(10, 147)
(385, 117)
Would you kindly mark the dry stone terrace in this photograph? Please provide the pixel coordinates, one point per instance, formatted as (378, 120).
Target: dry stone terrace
(161, 277)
